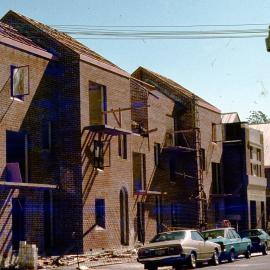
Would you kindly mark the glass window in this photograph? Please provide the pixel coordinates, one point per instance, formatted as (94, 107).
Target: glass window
(235, 234)
(167, 236)
(259, 154)
(196, 236)
(20, 81)
(251, 152)
(202, 159)
(156, 153)
(214, 132)
(216, 178)
(122, 146)
(230, 234)
(139, 172)
(100, 212)
(97, 104)
(213, 234)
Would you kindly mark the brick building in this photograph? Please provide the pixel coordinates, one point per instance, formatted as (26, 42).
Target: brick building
(243, 173)
(91, 156)
(19, 120)
(188, 138)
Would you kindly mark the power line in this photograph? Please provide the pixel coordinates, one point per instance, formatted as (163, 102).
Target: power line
(171, 38)
(160, 26)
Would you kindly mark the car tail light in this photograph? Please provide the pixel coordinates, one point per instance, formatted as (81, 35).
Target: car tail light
(175, 250)
(143, 253)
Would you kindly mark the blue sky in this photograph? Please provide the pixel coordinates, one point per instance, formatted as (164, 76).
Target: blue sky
(232, 74)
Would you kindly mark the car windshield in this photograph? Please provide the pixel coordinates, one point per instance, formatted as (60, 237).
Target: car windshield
(250, 233)
(213, 234)
(168, 236)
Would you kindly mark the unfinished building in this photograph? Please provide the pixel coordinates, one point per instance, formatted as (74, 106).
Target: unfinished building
(187, 150)
(95, 158)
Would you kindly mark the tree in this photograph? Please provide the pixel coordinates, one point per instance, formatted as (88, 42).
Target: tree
(258, 117)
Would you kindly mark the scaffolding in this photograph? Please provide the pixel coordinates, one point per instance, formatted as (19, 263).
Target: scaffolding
(191, 142)
(184, 138)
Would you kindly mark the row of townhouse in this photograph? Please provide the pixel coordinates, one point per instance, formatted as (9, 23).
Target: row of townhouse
(94, 157)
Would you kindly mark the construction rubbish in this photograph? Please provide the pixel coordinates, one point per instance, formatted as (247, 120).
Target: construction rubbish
(91, 259)
(27, 257)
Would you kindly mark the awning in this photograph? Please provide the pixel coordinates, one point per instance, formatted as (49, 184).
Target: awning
(113, 131)
(20, 185)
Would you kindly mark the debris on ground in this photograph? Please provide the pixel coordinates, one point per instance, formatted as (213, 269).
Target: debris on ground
(91, 259)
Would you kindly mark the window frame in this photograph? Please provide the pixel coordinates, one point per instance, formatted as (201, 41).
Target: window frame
(157, 151)
(214, 132)
(12, 73)
(122, 146)
(100, 212)
(202, 159)
(143, 182)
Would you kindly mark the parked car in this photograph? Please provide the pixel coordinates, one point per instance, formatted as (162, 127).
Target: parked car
(259, 238)
(176, 248)
(232, 245)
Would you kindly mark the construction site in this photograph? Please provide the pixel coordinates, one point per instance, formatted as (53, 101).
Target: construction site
(97, 159)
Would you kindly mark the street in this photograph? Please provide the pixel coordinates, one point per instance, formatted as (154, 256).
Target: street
(257, 262)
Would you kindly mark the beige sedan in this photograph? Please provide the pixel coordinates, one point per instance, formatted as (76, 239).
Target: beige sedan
(176, 248)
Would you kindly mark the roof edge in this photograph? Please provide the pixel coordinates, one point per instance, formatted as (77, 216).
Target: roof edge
(26, 48)
(105, 66)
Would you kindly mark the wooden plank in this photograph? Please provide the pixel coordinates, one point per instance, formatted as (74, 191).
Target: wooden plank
(27, 185)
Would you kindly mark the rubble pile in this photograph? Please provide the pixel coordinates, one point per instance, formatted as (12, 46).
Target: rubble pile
(91, 259)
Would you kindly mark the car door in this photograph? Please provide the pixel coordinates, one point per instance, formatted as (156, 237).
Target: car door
(198, 244)
(233, 242)
(244, 242)
(236, 240)
(204, 249)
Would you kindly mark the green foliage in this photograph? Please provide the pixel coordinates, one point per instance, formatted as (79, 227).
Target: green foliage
(258, 117)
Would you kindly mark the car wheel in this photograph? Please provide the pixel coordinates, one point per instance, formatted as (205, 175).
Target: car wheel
(215, 259)
(264, 249)
(192, 263)
(248, 253)
(231, 256)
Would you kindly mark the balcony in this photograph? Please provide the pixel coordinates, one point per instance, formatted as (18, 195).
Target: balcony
(257, 181)
(14, 179)
(179, 141)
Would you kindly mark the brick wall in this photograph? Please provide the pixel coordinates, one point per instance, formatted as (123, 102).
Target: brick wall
(26, 116)
(117, 171)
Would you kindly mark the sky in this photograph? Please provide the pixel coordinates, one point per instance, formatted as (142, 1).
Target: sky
(232, 74)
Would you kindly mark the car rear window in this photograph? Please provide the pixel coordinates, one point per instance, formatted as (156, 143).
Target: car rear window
(250, 233)
(168, 236)
(213, 234)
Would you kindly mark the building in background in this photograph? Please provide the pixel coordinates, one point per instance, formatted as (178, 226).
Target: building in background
(265, 129)
(243, 173)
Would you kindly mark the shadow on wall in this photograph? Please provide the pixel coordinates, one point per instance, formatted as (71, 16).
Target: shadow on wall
(51, 102)
(6, 221)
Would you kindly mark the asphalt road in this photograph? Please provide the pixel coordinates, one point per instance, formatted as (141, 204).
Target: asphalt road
(257, 262)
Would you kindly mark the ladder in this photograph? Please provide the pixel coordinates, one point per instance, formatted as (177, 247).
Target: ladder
(201, 197)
